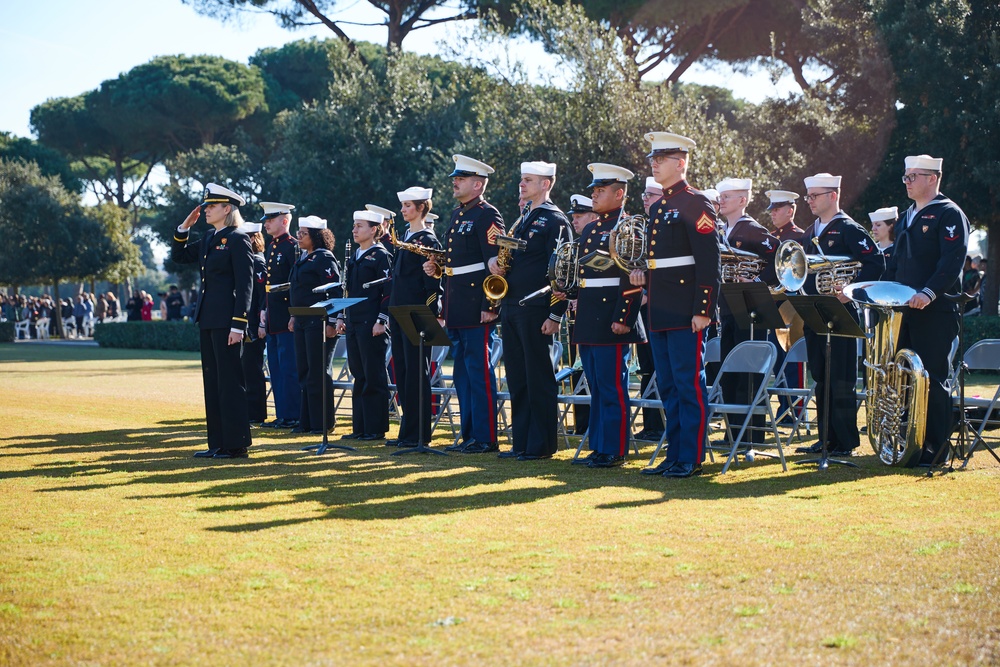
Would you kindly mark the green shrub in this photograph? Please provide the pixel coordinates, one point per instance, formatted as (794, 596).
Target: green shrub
(180, 336)
(981, 327)
(6, 332)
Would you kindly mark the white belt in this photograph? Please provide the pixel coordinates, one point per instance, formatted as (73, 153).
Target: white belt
(468, 268)
(600, 282)
(670, 262)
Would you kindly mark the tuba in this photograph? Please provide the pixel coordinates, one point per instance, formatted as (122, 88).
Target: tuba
(433, 254)
(793, 266)
(494, 286)
(898, 385)
(627, 243)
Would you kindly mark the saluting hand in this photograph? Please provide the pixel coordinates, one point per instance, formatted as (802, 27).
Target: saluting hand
(192, 218)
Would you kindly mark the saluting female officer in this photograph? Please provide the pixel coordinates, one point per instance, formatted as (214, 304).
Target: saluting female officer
(226, 260)
(317, 266)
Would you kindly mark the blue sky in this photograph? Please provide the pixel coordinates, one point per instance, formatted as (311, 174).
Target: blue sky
(61, 48)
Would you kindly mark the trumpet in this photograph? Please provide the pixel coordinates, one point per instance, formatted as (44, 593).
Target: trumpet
(793, 266)
(494, 286)
(627, 242)
(432, 254)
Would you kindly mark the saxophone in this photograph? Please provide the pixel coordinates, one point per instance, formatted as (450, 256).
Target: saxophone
(898, 385)
(495, 287)
(434, 255)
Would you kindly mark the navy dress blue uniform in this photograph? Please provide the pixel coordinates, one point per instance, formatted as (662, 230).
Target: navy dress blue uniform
(606, 297)
(311, 270)
(280, 257)
(410, 286)
(682, 282)
(226, 260)
(365, 352)
(253, 347)
(531, 379)
(842, 236)
(470, 243)
(748, 235)
(929, 255)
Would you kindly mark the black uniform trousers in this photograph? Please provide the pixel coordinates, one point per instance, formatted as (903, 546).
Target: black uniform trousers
(225, 392)
(530, 379)
(737, 387)
(843, 412)
(370, 396)
(930, 333)
(312, 362)
(253, 374)
(652, 420)
(410, 374)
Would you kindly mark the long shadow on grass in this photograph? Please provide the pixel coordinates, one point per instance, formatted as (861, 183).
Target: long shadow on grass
(368, 484)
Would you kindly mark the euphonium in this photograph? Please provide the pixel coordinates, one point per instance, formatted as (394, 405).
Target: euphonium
(793, 266)
(896, 396)
(627, 242)
(494, 286)
(739, 265)
(433, 254)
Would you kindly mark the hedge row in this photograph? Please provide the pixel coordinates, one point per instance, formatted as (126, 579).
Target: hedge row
(181, 336)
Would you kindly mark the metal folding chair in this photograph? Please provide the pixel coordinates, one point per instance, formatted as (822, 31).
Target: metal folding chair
(983, 356)
(798, 398)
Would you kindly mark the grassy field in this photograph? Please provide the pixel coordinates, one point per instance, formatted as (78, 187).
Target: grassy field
(118, 548)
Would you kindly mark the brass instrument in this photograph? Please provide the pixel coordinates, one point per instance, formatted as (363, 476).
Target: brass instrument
(627, 243)
(494, 286)
(739, 265)
(793, 266)
(563, 272)
(433, 254)
(898, 385)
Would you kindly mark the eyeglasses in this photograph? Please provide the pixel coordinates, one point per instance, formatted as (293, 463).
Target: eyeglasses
(301, 232)
(657, 159)
(909, 178)
(817, 195)
(650, 195)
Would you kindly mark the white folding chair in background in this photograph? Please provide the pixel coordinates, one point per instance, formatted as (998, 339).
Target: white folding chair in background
(42, 328)
(983, 356)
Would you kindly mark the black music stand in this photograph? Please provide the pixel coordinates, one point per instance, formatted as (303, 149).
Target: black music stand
(752, 305)
(421, 328)
(324, 309)
(826, 316)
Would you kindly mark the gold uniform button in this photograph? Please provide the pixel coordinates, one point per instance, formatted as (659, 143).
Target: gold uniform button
(682, 282)
(604, 299)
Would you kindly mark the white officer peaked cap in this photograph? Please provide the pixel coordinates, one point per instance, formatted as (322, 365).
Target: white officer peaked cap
(381, 210)
(273, 209)
(216, 194)
(580, 204)
(370, 216)
(667, 143)
(651, 184)
(730, 184)
(415, 194)
(605, 174)
(467, 166)
(923, 162)
(883, 214)
(712, 194)
(312, 222)
(823, 180)
(781, 197)
(251, 227)
(538, 168)
(431, 217)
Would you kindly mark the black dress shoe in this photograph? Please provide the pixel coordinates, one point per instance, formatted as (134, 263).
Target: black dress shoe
(207, 454)
(460, 446)
(814, 448)
(683, 470)
(481, 448)
(534, 457)
(509, 455)
(584, 460)
(372, 436)
(299, 429)
(607, 461)
(352, 436)
(287, 423)
(841, 453)
(316, 431)
(271, 424)
(231, 454)
(660, 469)
(404, 444)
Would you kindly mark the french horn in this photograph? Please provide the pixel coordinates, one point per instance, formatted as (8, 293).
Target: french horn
(627, 243)
(898, 385)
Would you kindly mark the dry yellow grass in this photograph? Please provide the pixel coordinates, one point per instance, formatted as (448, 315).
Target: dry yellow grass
(116, 547)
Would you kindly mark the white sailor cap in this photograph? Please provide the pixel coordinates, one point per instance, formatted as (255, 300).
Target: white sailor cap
(251, 227)
(923, 162)
(651, 184)
(312, 222)
(580, 204)
(712, 194)
(823, 180)
(730, 184)
(273, 209)
(884, 214)
(431, 217)
(381, 210)
(466, 166)
(667, 143)
(415, 193)
(606, 174)
(370, 216)
(538, 168)
(216, 194)
(780, 197)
